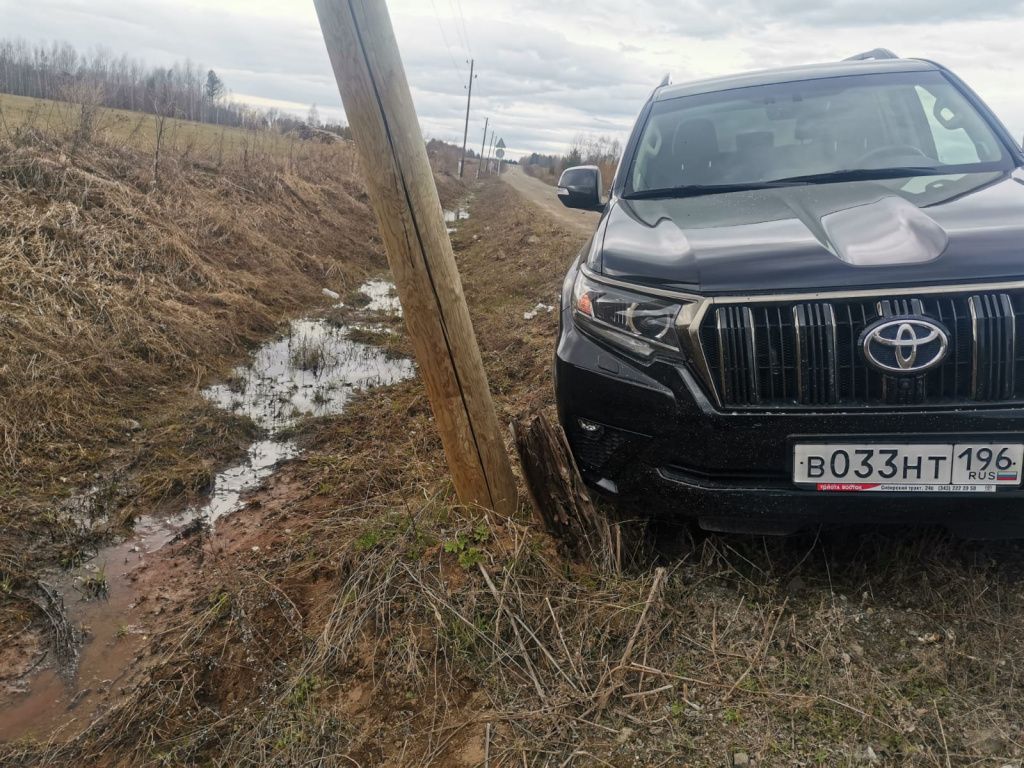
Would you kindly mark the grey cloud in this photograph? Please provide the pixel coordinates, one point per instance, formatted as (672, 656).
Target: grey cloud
(538, 87)
(703, 18)
(872, 12)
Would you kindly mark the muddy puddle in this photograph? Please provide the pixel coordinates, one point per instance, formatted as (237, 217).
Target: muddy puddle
(454, 216)
(313, 370)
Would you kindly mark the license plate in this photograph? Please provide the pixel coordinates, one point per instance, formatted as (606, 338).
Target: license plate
(908, 467)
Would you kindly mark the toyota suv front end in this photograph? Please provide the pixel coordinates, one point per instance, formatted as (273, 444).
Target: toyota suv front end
(803, 304)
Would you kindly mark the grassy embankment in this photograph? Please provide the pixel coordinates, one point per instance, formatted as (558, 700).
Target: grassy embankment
(126, 285)
(379, 623)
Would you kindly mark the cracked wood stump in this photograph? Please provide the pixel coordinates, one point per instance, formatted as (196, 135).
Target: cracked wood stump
(560, 499)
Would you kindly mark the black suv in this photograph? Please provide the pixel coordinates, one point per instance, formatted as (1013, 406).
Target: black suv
(804, 303)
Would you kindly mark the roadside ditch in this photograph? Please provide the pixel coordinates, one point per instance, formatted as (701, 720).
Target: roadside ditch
(310, 371)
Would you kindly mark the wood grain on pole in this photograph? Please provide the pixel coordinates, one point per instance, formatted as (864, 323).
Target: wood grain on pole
(364, 54)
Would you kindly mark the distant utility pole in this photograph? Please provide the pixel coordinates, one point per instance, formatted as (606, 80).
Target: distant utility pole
(480, 161)
(465, 132)
(487, 153)
(378, 104)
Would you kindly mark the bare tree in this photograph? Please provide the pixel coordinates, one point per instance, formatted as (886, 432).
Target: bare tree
(213, 92)
(49, 71)
(90, 96)
(588, 149)
(163, 106)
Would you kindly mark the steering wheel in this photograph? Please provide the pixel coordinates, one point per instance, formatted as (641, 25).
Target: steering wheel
(895, 150)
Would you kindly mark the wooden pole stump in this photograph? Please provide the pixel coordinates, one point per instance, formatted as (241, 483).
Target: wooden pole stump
(560, 499)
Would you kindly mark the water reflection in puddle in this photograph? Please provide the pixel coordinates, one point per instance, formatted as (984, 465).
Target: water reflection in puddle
(382, 297)
(453, 217)
(313, 370)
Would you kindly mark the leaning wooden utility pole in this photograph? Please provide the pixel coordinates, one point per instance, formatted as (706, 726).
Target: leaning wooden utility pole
(480, 160)
(465, 132)
(364, 54)
(490, 148)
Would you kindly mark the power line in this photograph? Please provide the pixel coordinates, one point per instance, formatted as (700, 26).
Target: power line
(465, 29)
(457, 16)
(455, 22)
(459, 70)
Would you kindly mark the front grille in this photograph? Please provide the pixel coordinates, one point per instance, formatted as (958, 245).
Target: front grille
(808, 353)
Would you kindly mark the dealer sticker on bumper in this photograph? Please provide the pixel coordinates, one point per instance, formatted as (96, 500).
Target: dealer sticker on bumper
(908, 467)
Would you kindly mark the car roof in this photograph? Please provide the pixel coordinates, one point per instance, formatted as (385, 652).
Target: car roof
(792, 74)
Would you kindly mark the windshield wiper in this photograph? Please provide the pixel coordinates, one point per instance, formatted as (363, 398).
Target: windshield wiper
(852, 174)
(695, 190)
(864, 174)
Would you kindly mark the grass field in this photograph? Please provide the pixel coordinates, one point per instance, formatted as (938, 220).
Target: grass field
(196, 141)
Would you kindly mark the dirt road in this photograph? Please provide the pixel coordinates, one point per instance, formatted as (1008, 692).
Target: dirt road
(543, 196)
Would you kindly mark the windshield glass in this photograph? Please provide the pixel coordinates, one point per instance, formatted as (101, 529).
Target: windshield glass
(862, 123)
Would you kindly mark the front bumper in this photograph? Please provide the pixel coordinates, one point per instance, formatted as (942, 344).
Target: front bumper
(660, 442)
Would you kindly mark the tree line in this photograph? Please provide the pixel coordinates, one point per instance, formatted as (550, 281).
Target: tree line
(586, 149)
(185, 90)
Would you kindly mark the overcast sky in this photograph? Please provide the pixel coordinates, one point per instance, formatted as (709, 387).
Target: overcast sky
(548, 69)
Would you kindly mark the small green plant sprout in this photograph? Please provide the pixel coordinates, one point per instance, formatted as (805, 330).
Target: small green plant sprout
(95, 586)
(462, 547)
(482, 533)
(303, 690)
(732, 715)
(367, 540)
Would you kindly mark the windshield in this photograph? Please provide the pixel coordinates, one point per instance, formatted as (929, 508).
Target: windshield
(916, 121)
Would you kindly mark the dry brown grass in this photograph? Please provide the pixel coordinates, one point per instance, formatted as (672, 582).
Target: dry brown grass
(182, 139)
(120, 298)
(382, 624)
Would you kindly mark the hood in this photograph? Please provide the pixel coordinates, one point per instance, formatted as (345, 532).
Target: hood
(828, 236)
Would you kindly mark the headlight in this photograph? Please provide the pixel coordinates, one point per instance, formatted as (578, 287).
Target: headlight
(639, 324)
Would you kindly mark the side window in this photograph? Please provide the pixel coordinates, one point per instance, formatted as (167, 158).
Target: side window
(953, 144)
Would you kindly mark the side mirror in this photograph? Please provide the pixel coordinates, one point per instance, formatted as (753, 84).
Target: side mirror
(580, 187)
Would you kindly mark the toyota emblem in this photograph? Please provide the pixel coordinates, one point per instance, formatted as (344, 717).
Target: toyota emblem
(905, 344)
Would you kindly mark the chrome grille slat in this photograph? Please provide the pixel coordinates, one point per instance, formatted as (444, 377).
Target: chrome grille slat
(737, 352)
(815, 336)
(993, 324)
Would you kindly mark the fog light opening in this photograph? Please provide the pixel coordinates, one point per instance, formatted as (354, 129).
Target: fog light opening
(590, 429)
